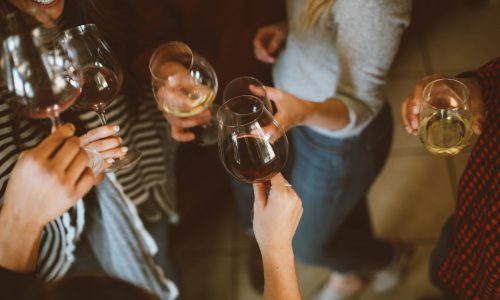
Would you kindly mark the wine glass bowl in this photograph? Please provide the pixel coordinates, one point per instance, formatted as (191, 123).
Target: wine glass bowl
(184, 83)
(253, 147)
(445, 120)
(40, 83)
(247, 86)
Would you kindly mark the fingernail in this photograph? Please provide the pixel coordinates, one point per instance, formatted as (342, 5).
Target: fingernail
(414, 124)
(414, 110)
(116, 128)
(110, 161)
(124, 149)
(408, 129)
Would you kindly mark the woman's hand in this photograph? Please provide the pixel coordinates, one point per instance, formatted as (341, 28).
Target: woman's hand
(268, 40)
(48, 179)
(291, 110)
(275, 221)
(276, 216)
(412, 106)
(178, 125)
(45, 182)
(104, 140)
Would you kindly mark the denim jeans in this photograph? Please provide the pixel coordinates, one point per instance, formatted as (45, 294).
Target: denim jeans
(332, 176)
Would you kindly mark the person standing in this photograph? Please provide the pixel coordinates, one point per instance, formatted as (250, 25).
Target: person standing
(466, 261)
(329, 77)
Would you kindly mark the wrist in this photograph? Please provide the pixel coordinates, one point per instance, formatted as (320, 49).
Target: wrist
(276, 253)
(19, 241)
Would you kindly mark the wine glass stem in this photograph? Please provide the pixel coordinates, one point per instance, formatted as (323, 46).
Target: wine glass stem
(102, 115)
(56, 121)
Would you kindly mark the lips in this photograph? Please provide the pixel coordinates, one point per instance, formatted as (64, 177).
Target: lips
(45, 3)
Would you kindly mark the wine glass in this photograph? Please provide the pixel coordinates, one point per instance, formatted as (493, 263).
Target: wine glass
(249, 86)
(41, 83)
(445, 120)
(253, 146)
(102, 77)
(184, 85)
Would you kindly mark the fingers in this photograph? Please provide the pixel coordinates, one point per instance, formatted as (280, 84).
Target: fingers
(261, 50)
(114, 153)
(77, 167)
(199, 119)
(66, 154)
(478, 124)
(84, 183)
(182, 136)
(54, 141)
(259, 190)
(98, 134)
(105, 144)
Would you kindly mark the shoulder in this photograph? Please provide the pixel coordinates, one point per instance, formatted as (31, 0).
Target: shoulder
(375, 10)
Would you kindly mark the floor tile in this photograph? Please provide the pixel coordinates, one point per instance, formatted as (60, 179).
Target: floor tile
(459, 37)
(207, 277)
(211, 230)
(410, 58)
(397, 90)
(415, 285)
(412, 197)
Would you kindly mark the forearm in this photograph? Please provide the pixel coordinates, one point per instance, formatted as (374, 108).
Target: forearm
(332, 114)
(280, 277)
(19, 243)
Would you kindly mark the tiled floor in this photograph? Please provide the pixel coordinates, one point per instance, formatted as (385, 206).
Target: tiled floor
(412, 197)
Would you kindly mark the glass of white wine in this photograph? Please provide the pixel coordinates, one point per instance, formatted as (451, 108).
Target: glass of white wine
(445, 120)
(184, 85)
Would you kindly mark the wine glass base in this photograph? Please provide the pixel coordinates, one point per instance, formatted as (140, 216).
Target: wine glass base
(130, 159)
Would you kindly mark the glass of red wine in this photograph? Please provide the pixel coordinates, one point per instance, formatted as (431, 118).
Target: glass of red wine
(40, 83)
(102, 77)
(249, 86)
(253, 146)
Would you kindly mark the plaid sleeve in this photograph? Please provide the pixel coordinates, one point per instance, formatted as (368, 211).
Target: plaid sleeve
(489, 79)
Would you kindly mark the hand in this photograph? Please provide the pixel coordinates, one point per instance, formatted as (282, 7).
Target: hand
(179, 124)
(104, 140)
(48, 179)
(268, 40)
(290, 109)
(276, 217)
(412, 106)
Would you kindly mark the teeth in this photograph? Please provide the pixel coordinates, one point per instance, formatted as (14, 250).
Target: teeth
(46, 2)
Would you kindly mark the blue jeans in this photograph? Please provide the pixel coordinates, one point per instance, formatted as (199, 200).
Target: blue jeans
(332, 176)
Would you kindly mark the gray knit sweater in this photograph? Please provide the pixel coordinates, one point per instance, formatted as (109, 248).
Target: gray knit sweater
(347, 60)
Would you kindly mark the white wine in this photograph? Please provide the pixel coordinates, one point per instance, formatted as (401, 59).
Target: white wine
(445, 133)
(195, 101)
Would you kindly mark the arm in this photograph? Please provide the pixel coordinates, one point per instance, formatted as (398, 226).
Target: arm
(57, 175)
(368, 36)
(276, 218)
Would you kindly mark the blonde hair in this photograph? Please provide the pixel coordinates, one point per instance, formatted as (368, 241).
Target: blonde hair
(315, 12)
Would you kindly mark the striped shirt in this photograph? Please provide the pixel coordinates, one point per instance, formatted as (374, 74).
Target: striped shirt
(149, 183)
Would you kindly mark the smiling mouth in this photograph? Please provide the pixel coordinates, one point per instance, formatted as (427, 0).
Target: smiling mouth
(45, 3)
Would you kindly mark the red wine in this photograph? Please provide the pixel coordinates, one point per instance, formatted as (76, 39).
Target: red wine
(100, 86)
(252, 159)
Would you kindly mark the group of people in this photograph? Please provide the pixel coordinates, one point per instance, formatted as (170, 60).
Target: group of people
(330, 59)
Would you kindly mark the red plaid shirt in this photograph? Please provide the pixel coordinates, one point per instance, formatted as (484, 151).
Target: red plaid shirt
(471, 268)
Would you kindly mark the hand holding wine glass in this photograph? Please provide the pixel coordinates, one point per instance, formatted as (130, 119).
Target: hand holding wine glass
(101, 74)
(184, 85)
(252, 145)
